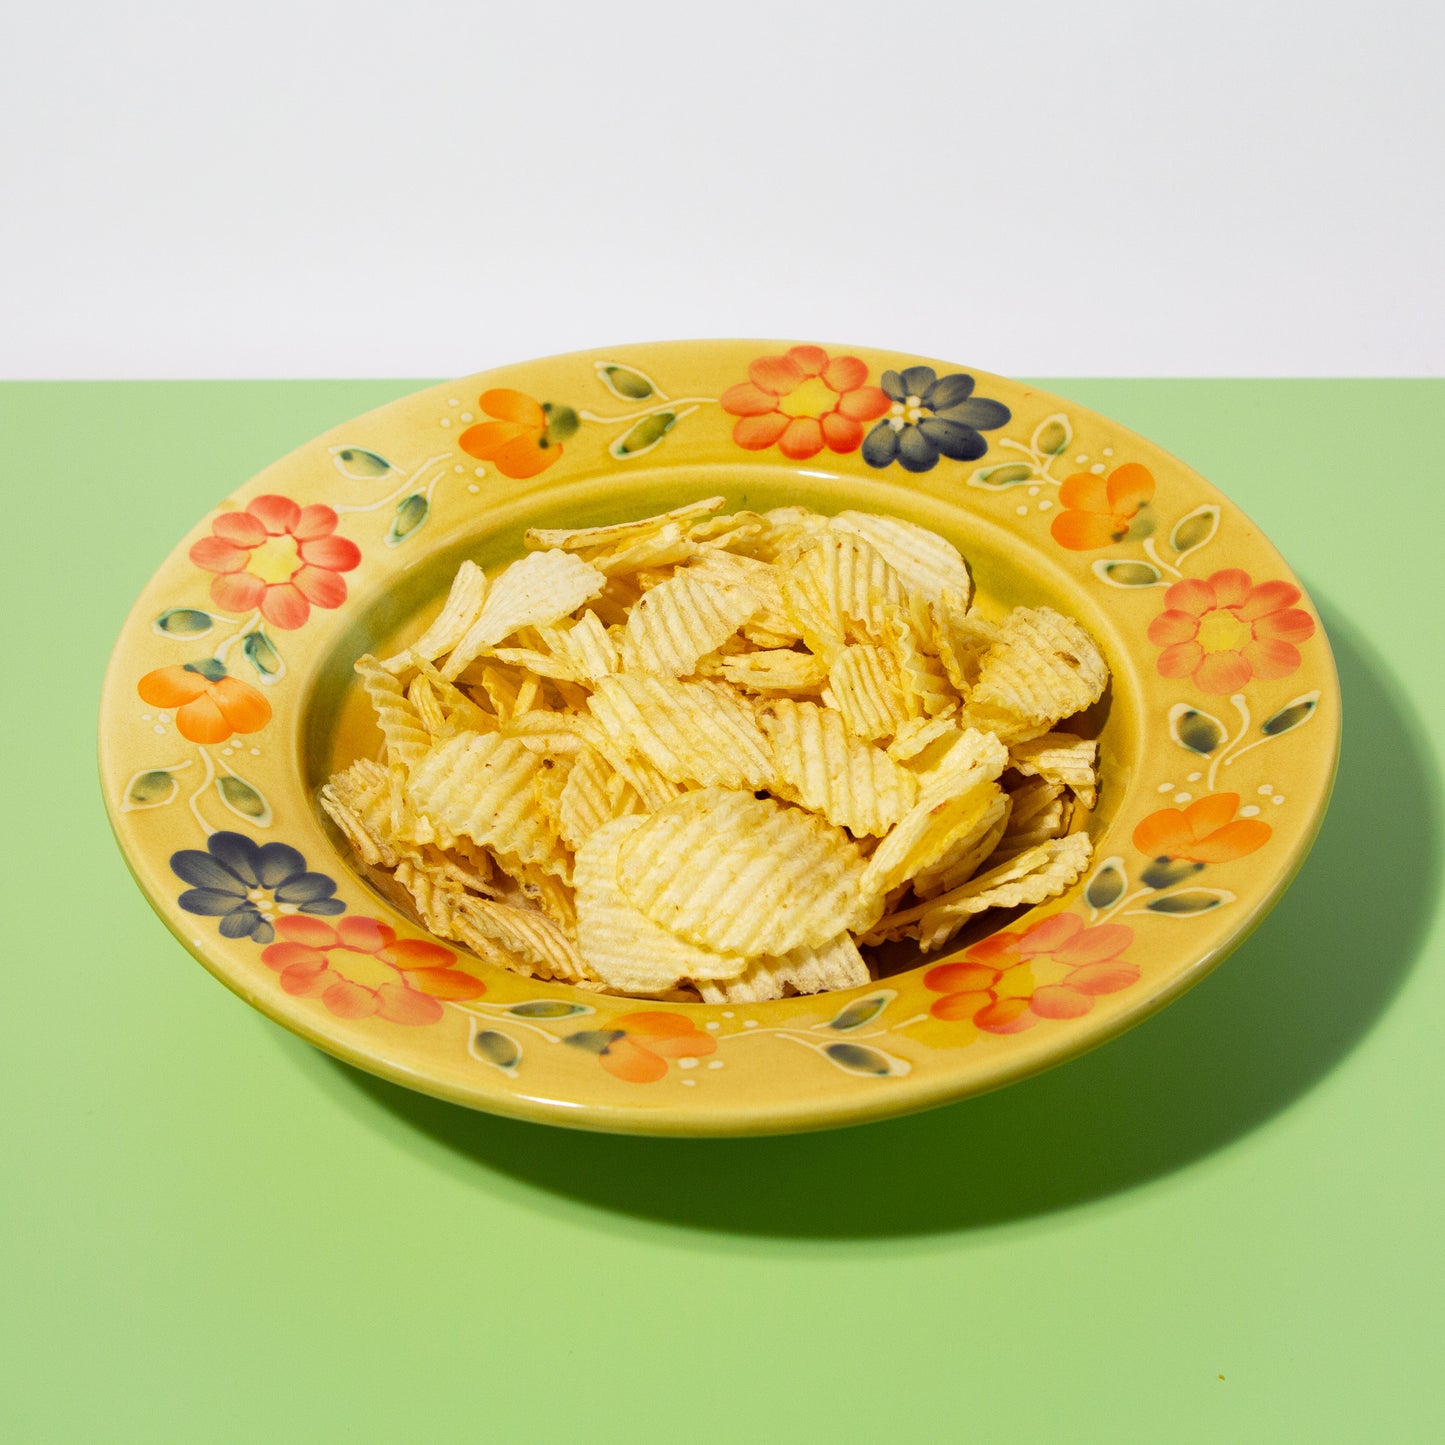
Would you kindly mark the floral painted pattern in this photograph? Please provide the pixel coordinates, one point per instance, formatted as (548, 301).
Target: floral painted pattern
(1103, 510)
(1182, 841)
(931, 416)
(524, 436)
(210, 704)
(360, 968)
(248, 885)
(802, 401)
(1054, 970)
(279, 557)
(1223, 630)
(638, 1045)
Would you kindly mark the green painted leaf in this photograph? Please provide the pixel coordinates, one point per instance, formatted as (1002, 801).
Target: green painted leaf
(1189, 902)
(547, 1008)
(150, 790)
(859, 1059)
(1011, 474)
(562, 421)
(411, 512)
(262, 656)
(1197, 731)
(625, 382)
(1166, 872)
(498, 1049)
(244, 800)
(1143, 524)
(184, 622)
(595, 1041)
(1195, 528)
(1292, 715)
(1107, 885)
(861, 1011)
(644, 435)
(359, 464)
(1052, 435)
(1127, 574)
(210, 668)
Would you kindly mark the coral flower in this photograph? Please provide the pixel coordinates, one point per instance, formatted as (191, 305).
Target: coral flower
(638, 1045)
(1204, 832)
(1226, 629)
(360, 968)
(525, 436)
(1099, 510)
(209, 704)
(803, 401)
(1054, 970)
(278, 556)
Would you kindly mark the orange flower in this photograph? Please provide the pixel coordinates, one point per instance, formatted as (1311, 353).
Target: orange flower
(401, 980)
(278, 556)
(526, 436)
(1101, 511)
(638, 1045)
(1054, 970)
(1201, 833)
(1226, 629)
(209, 704)
(804, 400)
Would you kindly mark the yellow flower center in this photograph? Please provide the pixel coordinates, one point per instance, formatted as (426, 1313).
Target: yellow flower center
(813, 398)
(275, 559)
(1222, 631)
(363, 968)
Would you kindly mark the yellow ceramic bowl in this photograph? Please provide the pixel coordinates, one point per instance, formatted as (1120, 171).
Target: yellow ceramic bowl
(230, 698)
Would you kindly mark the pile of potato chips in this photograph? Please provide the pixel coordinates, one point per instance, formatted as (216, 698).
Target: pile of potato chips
(703, 755)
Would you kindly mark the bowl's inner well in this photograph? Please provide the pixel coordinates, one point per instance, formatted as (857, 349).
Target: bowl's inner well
(337, 723)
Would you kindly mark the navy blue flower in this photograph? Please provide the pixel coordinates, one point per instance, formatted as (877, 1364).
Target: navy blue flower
(240, 882)
(931, 416)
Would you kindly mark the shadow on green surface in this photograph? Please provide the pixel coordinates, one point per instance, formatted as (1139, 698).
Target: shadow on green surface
(1283, 1011)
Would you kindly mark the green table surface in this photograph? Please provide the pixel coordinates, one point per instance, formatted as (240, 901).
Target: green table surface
(1225, 1226)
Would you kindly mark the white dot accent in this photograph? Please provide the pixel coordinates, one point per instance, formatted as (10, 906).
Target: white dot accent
(479, 471)
(753, 1023)
(688, 1082)
(1045, 505)
(459, 468)
(1022, 511)
(1166, 787)
(1265, 789)
(255, 752)
(714, 1024)
(145, 717)
(1034, 491)
(715, 1063)
(687, 1063)
(227, 751)
(446, 421)
(729, 1014)
(1182, 798)
(1097, 469)
(1277, 799)
(160, 727)
(1108, 451)
(473, 488)
(1082, 458)
(466, 416)
(454, 401)
(1252, 811)
(1193, 777)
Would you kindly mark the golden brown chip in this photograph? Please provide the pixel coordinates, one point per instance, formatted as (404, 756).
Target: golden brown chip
(838, 591)
(959, 638)
(922, 679)
(1040, 812)
(679, 620)
(836, 964)
(579, 539)
(926, 563)
(1043, 667)
(536, 942)
(928, 830)
(819, 764)
(863, 684)
(459, 612)
(1061, 758)
(773, 671)
(628, 950)
(963, 858)
(358, 801)
(407, 739)
(917, 734)
(691, 732)
(594, 793)
(744, 875)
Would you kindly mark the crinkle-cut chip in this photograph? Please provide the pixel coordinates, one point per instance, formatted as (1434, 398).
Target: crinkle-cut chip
(407, 740)
(926, 833)
(775, 670)
(548, 783)
(762, 579)
(358, 801)
(680, 620)
(627, 950)
(536, 943)
(533, 886)
(922, 678)
(501, 685)
(1008, 727)
(836, 964)
(819, 764)
(917, 734)
(957, 760)
(580, 539)
(838, 592)
(615, 601)
(595, 793)
(537, 589)
(540, 664)
(584, 647)
(433, 895)
(459, 613)
(1044, 666)
(723, 531)
(744, 875)
(785, 531)
(423, 697)
(691, 732)
(959, 638)
(926, 563)
(1061, 758)
(967, 855)
(663, 549)
(480, 785)
(555, 733)
(462, 713)
(1040, 811)
(864, 688)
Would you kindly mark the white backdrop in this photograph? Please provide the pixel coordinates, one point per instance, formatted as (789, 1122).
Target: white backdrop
(318, 189)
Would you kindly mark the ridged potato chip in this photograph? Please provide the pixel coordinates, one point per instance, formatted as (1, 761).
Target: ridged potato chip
(625, 948)
(580, 539)
(836, 964)
(459, 613)
(594, 793)
(819, 764)
(537, 941)
(407, 740)
(775, 670)
(744, 875)
(923, 680)
(1040, 812)
(1044, 667)
(863, 682)
(838, 592)
(1061, 758)
(926, 564)
(967, 854)
(584, 647)
(959, 638)
(678, 621)
(926, 833)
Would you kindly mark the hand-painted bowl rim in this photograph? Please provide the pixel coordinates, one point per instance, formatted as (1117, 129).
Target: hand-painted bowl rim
(596, 433)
